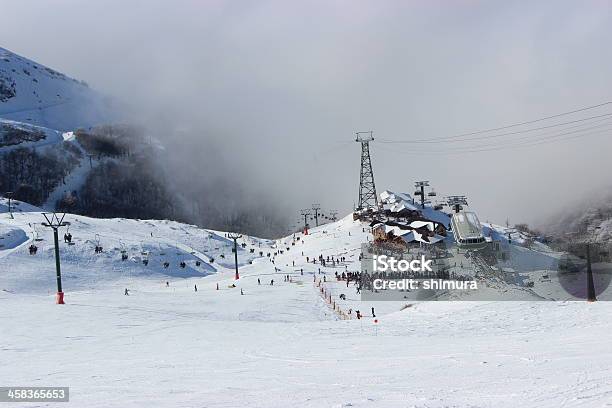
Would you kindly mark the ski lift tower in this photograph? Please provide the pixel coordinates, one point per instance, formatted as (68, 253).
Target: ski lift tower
(235, 237)
(306, 214)
(456, 202)
(367, 188)
(420, 191)
(9, 195)
(316, 208)
(54, 221)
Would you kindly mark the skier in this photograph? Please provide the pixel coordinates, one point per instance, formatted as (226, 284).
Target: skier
(127, 292)
(167, 284)
(195, 288)
(373, 314)
(272, 282)
(241, 292)
(258, 281)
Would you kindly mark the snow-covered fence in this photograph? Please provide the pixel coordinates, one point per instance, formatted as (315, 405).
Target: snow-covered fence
(327, 298)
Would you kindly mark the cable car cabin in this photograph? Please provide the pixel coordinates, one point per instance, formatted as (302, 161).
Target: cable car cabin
(467, 230)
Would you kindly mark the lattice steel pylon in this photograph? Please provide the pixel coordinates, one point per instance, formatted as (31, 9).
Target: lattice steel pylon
(367, 188)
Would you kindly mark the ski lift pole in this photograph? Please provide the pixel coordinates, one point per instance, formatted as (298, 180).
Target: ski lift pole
(55, 223)
(591, 297)
(235, 237)
(9, 195)
(590, 284)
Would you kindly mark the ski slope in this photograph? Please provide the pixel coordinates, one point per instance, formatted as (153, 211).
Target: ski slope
(277, 345)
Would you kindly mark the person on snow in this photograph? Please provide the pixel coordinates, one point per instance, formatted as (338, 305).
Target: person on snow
(272, 282)
(167, 284)
(373, 314)
(195, 288)
(258, 281)
(127, 292)
(241, 292)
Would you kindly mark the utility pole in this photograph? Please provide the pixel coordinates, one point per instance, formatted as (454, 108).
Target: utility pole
(9, 195)
(55, 222)
(316, 208)
(367, 188)
(235, 237)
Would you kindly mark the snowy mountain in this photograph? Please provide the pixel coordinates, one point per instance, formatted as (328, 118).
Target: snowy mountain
(38, 95)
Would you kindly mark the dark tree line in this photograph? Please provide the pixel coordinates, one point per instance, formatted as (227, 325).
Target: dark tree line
(132, 178)
(10, 135)
(33, 175)
(122, 188)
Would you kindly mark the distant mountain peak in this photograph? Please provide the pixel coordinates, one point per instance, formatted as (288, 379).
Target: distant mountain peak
(33, 93)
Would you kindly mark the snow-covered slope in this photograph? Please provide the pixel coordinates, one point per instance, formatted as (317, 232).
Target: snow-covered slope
(274, 345)
(38, 95)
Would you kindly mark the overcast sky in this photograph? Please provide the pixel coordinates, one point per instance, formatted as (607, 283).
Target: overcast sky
(281, 86)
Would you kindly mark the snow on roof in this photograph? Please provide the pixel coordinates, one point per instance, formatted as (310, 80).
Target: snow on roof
(437, 216)
(397, 202)
(421, 224)
(414, 236)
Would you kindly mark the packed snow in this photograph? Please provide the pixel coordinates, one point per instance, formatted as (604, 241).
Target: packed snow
(275, 345)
